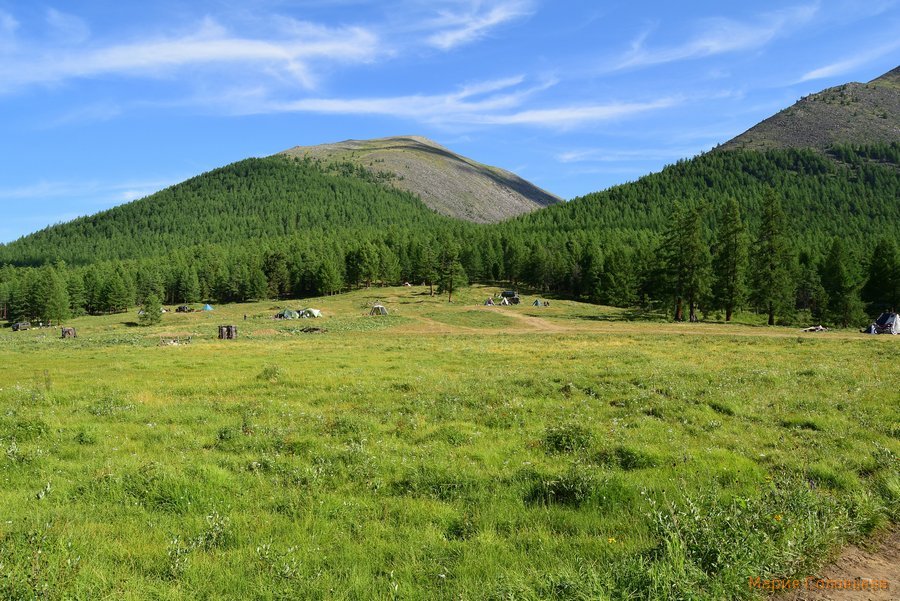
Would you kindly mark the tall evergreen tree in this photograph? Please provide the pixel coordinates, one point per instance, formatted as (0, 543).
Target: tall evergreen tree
(114, 296)
(773, 286)
(686, 261)
(77, 294)
(882, 287)
(54, 296)
(151, 311)
(841, 284)
(329, 279)
(730, 260)
(188, 287)
(618, 284)
(810, 295)
(451, 275)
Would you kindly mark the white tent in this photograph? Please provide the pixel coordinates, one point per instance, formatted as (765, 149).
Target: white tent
(887, 323)
(536, 303)
(310, 313)
(504, 301)
(378, 310)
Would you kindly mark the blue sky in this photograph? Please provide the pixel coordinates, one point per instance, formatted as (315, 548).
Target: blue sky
(102, 102)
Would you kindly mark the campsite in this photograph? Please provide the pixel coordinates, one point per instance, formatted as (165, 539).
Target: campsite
(439, 451)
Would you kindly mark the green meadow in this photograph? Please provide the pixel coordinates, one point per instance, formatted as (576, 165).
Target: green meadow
(445, 451)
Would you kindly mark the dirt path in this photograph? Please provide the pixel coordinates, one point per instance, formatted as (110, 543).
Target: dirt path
(879, 566)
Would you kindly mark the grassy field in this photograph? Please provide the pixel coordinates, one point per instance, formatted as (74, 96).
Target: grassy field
(442, 452)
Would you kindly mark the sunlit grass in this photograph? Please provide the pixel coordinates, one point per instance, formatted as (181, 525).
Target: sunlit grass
(445, 451)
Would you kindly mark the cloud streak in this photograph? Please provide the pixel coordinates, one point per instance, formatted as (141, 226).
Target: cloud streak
(718, 36)
(847, 65)
(462, 28)
(498, 102)
(209, 45)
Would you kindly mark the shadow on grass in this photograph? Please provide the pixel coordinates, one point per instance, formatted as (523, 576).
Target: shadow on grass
(633, 314)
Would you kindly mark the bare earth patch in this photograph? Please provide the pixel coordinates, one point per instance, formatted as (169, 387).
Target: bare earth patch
(879, 564)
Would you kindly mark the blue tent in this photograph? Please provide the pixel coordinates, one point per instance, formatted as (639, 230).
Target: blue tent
(207, 307)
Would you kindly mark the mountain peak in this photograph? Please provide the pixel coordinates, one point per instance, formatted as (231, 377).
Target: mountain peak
(447, 182)
(892, 77)
(852, 113)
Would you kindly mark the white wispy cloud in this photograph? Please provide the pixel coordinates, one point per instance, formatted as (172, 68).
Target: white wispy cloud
(607, 155)
(462, 24)
(718, 36)
(210, 44)
(849, 64)
(497, 102)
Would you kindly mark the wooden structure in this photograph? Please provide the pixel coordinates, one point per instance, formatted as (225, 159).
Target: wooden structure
(69, 333)
(227, 332)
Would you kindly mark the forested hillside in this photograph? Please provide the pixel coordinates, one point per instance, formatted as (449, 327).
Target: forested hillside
(254, 199)
(792, 234)
(857, 198)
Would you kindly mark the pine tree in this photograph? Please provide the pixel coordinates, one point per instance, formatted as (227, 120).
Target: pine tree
(77, 294)
(730, 260)
(686, 261)
(54, 301)
(426, 265)
(151, 311)
(882, 288)
(618, 285)
(841, 284)
(451, 275)
(773, 287)
(277, 274)
(114, 295)
(188, 287)
(328, 277)
(257, 287)
(810, 296)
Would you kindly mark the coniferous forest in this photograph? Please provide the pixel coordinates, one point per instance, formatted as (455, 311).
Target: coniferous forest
(795, 235)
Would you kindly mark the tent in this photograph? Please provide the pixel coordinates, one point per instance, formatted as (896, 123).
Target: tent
(887, 323)
(207, 307)
(310, 313)
(489, 302)
(378, 310)
(287, 314)
(536, 303)
(504, 301)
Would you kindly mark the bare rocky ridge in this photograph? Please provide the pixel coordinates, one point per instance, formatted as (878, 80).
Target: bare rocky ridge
(854, 113)
(450, 184)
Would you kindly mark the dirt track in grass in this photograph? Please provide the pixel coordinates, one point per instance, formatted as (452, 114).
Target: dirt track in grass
(880, 564)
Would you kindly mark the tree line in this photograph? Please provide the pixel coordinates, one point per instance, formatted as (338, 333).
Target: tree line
(774, 232)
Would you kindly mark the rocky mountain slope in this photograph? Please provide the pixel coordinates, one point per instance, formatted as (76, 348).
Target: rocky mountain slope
(852, 113)
(449, 183)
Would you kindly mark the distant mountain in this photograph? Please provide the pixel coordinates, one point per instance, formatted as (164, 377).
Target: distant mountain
(449, 183)
(852, 113)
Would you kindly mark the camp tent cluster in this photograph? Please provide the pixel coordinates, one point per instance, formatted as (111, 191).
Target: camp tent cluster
(307, 313)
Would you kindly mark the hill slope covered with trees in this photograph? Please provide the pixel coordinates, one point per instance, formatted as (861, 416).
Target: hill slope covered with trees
(692, 239)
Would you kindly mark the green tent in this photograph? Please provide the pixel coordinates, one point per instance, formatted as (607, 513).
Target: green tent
(287, 314)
